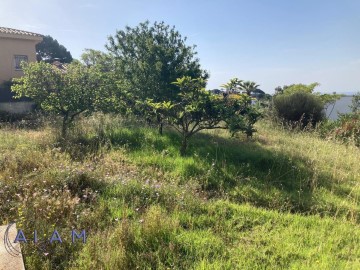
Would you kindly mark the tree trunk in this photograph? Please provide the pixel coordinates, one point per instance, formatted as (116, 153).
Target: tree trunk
(160, 124)
(65, 124)
(183, 146)
(161, 129)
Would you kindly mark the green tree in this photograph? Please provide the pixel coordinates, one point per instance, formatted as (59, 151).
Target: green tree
(67, 93)
(114, 94)
(49, 50)
(98, 58)
(150, 58)
(196, 109)
(240, 115)
(288, 90)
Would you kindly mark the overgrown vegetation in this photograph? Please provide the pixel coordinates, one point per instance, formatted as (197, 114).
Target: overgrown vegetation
(346, 128)
(279, 198)
(222, 206)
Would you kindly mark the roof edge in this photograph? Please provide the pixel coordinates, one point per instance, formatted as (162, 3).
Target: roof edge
(17, 32)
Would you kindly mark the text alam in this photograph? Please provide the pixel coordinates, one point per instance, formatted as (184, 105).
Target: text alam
(55, 237)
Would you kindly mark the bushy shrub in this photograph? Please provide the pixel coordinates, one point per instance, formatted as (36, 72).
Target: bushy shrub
(299, 108)
(346, 129)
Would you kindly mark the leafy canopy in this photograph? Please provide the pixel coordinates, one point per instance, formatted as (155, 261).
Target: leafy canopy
(196, 109)
(67, 92)
(49, 50)
(151, 57)
(249, 87)
(299, 107)
(327, 100)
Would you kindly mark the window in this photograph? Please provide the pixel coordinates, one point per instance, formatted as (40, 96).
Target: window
(18, 60)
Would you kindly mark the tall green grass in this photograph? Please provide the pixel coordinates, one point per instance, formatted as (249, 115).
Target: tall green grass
(279, 200)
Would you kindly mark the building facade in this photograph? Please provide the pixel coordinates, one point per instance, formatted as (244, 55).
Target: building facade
(15, 46)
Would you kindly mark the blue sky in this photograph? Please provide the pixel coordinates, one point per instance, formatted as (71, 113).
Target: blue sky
(271, 42)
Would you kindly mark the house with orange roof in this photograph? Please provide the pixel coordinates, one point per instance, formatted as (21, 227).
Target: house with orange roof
(16, 46)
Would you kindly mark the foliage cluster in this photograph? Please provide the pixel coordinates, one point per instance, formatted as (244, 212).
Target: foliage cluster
(299, 105)
(151, 57)
(298, 109)
(67, 92)
(49, 50)
(198, 110)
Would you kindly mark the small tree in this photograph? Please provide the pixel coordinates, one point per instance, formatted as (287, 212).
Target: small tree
(198, 110)
(158, 110)
(67, 92)
(240, 115)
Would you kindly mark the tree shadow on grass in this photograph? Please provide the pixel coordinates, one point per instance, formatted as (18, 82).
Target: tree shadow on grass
(249, 172)
(243, 171)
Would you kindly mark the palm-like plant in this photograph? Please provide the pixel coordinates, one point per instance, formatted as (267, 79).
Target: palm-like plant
(249, 87)
(232, 86)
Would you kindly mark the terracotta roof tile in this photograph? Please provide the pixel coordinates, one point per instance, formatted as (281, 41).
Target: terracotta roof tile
(6, 30)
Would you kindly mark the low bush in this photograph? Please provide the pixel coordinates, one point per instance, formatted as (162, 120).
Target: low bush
(298, 109)
(346, 129)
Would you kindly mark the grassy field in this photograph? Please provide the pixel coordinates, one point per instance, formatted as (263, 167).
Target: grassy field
(282, 200)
